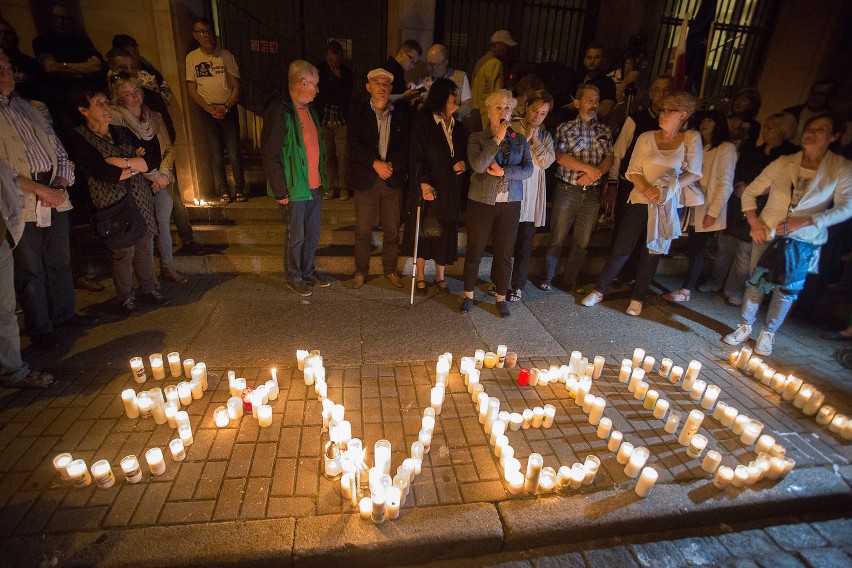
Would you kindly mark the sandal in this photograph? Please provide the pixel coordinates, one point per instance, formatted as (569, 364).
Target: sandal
(442, 286)
(421, 288)
(514, 295)
(545, 285)
(226, 198)
(681, 295)
(241, 198)
(34, 380)
(492, 290)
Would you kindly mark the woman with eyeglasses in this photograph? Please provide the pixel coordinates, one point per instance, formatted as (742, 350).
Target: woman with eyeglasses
(113, 157)
(129, 110)
(802, 188)
(663, 162)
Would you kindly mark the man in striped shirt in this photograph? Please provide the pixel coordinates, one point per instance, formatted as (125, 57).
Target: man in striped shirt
(583, 157)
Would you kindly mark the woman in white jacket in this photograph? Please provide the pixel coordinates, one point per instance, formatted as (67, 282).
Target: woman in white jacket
(801, 188)
(717, 184)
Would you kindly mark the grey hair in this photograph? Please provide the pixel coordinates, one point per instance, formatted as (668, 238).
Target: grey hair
(300, 69)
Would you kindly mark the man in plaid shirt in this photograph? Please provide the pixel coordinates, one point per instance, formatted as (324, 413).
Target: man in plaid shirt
(583, 158)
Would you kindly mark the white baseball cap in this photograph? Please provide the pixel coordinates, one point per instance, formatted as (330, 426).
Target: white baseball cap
(504, 36)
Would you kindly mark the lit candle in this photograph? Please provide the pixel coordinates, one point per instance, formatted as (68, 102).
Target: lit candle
(803, 396)
(195, 389)
(157, 370)
(490, 360)
(600, 360)
(813, 404)
(365, 508)
(501, 356)
(791, 387)
(475, 390)
(482, 406)
(650, 400)
(825, 415)
(739, 424)
(690, 427)
(697, 390)
(752, 365)
(776, 468)
(137, 369)
(624, 451)
(686, 384)
(549, 415)
(766, 374)
(515, 480)
(778, 451)
(534, 373)
(342, 432)
(641, 390)
(588, 402)
(174, 364)
(743, 357)
(661, 408)
(754, 474)
(615, 439)
(764, 444)
(382, 453)
(171, 409)
(596, 410)
(538, 417)
(61, 462)
(79, 474)
(732, 358)
(711, 395)
(498, 428)
(604, 428)
(478, 358)
(578, 476)
(534, 464)
(515, 421)
(264, 415)
(675, 375)
(646, 481)
(711, 461)
(696, 446)
(635, 463)
(185, 433)
(693, 369)
(128, 398)
(672, 422)
(235, 408)
(750, 433)
(185, 393)
(301, 355)
(838, 423)
(156, 464)
(648, 364)
(636, 377)
(130, 468)
(220, 417)
(624, 373)
(491, 415)
(273, 390)
(437, 398)
(144, 403)
(638, 356)
(777, 382)
(846, 433)
(740, 476)
(665, 367)
(188, 364)
(378, 498)
(199, 373)
(177, 449)
(728, 416)
(393, 497)
(724, 477)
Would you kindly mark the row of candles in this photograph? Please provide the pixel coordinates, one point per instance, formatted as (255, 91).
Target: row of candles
(802, 395)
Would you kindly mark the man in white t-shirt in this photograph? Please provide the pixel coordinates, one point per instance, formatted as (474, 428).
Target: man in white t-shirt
(213, 82)
(437, 61)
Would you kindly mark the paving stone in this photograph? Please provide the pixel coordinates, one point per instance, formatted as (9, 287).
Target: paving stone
(290, 507)
(230, 499)
(780, 560)
(75, 520)
(567, 560)
(187, 512)
(263, 460)
(750, 543)
(796, 536)
(210, 481)
(661, 554)
(239, 463)
(617, 556)
(183, 487)
(482, 491)
(151, 504)
(124, 506)
(255, 497)
(826, 558)
(836, 531)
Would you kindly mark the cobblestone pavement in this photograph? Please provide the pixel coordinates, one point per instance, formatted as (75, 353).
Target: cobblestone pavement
(243, 472)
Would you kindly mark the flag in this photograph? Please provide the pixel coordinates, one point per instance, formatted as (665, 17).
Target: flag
(679, 66)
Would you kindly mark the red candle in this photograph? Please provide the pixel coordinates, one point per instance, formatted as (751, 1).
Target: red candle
(246, 401)
(523, 377)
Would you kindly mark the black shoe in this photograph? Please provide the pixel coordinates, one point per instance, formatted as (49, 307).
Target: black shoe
(195, 249)
(301, 287)
(466, 305)
(319, 279)
(503, 308)
(88, 283)
(155, 299)
(78, 321)
(46, 341)
(130, 308)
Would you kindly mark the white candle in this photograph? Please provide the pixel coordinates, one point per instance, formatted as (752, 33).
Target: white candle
(515, 480)
(599, 364)
(641, 390)
(128, 398)
(393, 498)
(711, 461)
(740, 476)
(776, 468)
(273, 390)
(177, 449)
(739, 424)
(157, 370)
(185, 433)
(777, 382)
(719, 410)
(661, 408)
(675, 375)
(365, 507)
(174, 364)
(711, 395)
(803, 396)
(181, 418)
(61, 462)
(690, 427)
(752, 365)
(665, 367)
(624, 451)
(196, 389)
(604, 428)
(301, 355)
(846, 433)
(220, 417)
(615, 439)
(235, 408)
(578, 475)
(342, 432)
(750, 433)
(515, 421)
(743, 357)
(650, 400)
(754, 474)
(765, 374)
(437, 398)
(588, 402)
(693, 369)
(814, 403)
(646, 481)
(724, 476)
(501, 443)
(491, 415)
(534, 464)
(764, 444)
(156, 464)
(264, 415)
(188, 364)
(497, 430)
(697, 390)
(672, 422)
(624, 373)
(501, 356)
(686, 384)
(636, 377)
(130, 468)
(549, 415)
(200, 371)
(635, 463)
(137, 369)
(791, 387)
(378, 498)
(838, 423)
(825, 415)
(185, 393)
(728, 416)
(534, 373)
(79, 474)
(696, 446)
(648, 364)
(778, 451)
(158, 408)
(596, 411)
(144, 403)
(638, 356)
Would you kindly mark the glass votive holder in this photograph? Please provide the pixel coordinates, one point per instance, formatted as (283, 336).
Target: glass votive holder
(130, 468)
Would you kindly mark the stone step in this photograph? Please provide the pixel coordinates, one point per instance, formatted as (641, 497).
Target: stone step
(334, 212)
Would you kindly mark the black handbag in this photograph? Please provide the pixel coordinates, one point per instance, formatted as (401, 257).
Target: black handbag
(430, 225)
(119, 225)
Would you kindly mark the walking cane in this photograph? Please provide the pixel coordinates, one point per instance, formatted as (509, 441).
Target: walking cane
(414, 258)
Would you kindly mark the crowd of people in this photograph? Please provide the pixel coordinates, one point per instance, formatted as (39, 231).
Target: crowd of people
(418, 155)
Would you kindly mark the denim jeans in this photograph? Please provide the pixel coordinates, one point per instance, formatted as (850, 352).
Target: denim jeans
(138, 258)
(730, 269)
(572, 206)
(43, 277)
(180, 214)
(12, 368)
(163, 213)
(221, 134)
(632, 230)
(336, 156)
(384, 202)
(301, 236)
(499, 222)
(779, 305)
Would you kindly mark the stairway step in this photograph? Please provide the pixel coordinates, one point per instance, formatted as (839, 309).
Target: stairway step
(334, 212)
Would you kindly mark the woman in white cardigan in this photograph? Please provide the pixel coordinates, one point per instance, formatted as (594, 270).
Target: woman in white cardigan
(717, 184)
(801, 187)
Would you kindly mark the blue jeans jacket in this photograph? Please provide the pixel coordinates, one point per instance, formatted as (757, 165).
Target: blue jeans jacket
(482, 151)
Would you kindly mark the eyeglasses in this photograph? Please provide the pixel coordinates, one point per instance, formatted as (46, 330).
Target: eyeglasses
(669, 110)
(824, 129)
(121, 75)
(202, 32)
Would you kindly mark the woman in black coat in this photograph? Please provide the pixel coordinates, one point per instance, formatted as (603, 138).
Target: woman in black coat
(437, 167)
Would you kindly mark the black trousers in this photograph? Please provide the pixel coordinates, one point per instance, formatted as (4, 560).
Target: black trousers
(523, 255)
(633, 227)
(500, 223)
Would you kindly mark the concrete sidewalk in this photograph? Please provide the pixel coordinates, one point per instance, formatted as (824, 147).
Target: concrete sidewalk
(248, 496)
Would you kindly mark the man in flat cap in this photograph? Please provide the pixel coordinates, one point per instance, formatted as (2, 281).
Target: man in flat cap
(377, 138)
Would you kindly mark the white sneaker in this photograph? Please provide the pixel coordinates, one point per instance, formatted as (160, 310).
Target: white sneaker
(634, 309)
(765, 341)
(739, 335)
(592, 299)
